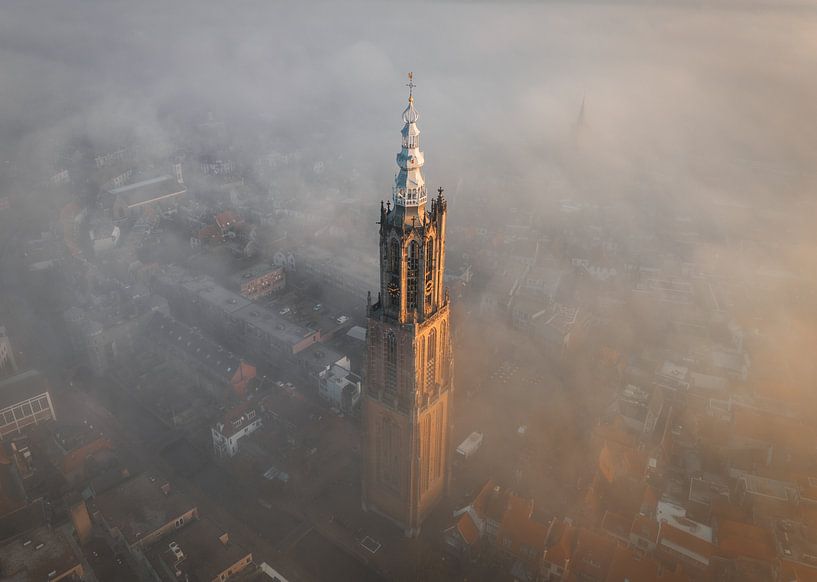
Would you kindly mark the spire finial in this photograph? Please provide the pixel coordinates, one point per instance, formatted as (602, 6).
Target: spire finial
(411, 86)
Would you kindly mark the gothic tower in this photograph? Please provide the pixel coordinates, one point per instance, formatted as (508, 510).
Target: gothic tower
(408, 376)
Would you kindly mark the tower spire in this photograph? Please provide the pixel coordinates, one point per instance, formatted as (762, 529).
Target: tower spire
(409, 190)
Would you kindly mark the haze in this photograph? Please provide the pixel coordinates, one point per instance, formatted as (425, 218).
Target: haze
(646, 168)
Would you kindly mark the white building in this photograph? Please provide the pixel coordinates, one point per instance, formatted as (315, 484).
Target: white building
(238, 422)
(339, 386)
(8, 365)
(25, 399)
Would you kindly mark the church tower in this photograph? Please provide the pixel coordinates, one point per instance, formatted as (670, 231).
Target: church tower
(408, 384)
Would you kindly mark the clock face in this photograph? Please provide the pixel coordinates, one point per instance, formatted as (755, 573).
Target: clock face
(393, 289)
(429, 287)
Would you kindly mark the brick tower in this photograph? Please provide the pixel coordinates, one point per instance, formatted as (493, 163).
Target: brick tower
(407, 403)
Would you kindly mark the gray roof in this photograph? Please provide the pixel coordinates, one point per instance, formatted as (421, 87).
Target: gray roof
(216, 295)
(21, 387)
(204, 351)
(48, 551)
(138, 507)
(270, 322)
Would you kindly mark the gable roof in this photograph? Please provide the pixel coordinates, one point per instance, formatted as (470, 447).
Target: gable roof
(564, 535)
(592, 558)
(627, 566)
(468, 530)
(736, 539)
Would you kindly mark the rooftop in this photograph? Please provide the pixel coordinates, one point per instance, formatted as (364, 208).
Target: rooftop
(208, 353)
(629, 566)
(237, 418)
(561, 542)
(39, 554)
(139, 506)
(270, 322)
(149, 190)
(705, 490)
(23, 386)
(795, 542)
(70, 437)
(205, 555)
(675, 515)
(142, 184)
(737, 539)
(254, 271)
(217, 296)
(593, 555)
(763, 486)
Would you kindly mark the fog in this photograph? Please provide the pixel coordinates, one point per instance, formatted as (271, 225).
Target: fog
(661, 121)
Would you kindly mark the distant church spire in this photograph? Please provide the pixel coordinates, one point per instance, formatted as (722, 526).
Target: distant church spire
(409, 186)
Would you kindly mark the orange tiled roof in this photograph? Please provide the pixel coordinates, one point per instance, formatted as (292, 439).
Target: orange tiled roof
(559, 553)
(468, 530)
(615, 432)
(645, 527)
(616, 524)
(481, 499)
(797, 572)
(616, 461)
(807, 490)
(209, 232)
(242, 377)
(518, 525)
(737, 539)
(227, 218)
(775, 429)
(592, 557)
(650, 498)
(629, 566)
(685, 540)
(723, 508)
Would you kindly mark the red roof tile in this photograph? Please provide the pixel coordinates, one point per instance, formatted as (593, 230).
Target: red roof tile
(468, 530)
(736, 539)
(629, 566)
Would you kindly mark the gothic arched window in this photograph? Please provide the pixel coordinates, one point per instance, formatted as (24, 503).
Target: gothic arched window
(388, 453)
(412, 273)
(421, 353)
(394, 256)
(444, 340)
(391, 361)
(431, 357)
(429, 267)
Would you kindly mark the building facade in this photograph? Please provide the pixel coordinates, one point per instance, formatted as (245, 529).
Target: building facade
(240, 421)
(25, 399)
(339, 387)
(409, 374)
(260, 281)
(8, 365)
